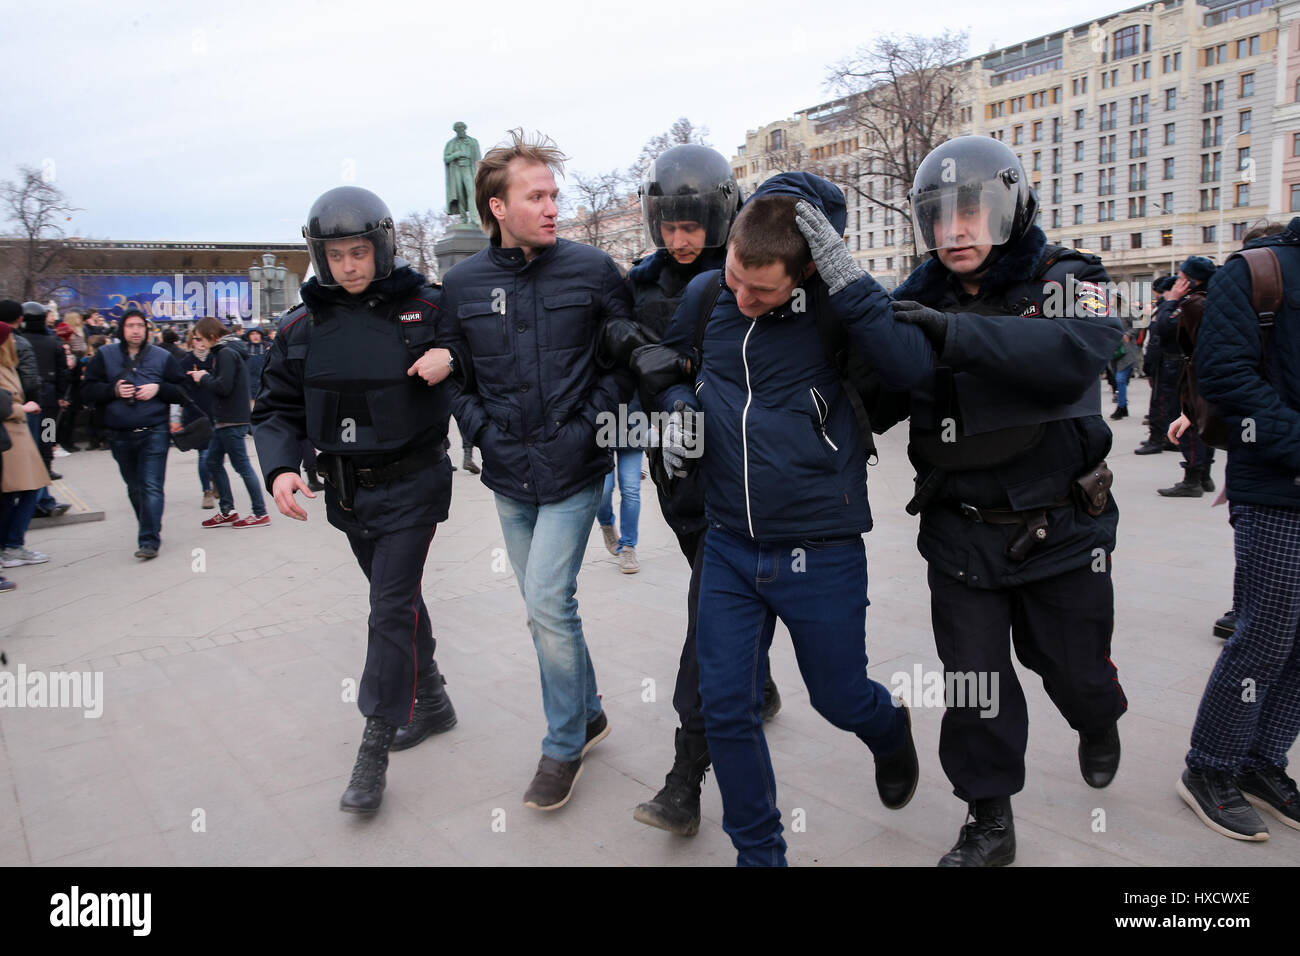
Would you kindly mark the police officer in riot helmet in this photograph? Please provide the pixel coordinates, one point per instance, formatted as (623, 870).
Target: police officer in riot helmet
(1017, 524)
(688, 201)
(355, 371)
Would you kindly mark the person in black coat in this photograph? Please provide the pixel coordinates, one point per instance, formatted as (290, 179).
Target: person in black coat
(199, 358)
(356, 370)
(1008, 440)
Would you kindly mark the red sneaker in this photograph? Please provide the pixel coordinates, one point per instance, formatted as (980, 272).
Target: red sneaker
(252, 521)
(217, 520)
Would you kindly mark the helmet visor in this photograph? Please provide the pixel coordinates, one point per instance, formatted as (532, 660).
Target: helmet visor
(969, 214)
(380, 240)
(691, 217)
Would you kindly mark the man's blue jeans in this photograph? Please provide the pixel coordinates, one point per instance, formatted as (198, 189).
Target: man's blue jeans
(819, 590)
(141, 457)
(230, 441)
(628, 470)
(546, 544)
(1121, 386)
(16, 510)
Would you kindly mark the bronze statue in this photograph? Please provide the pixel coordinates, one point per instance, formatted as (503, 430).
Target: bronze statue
(461, 157)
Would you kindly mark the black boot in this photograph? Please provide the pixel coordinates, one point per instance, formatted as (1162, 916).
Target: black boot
(1226, 626)
(1189, 487)
(1121, 412)
(1099, 756)
(676, 808)
(433, 712)
(898, 772)
(1149, 447)
(988, 838)
(1207, 483)
(366, 788)
(771, 700)
(468, 463)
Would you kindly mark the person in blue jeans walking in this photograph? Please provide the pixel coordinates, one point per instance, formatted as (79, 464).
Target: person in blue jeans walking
(230, 425)
(526, 315)
(784, 470)
(137, 382)
(199, 356)
(622, 541)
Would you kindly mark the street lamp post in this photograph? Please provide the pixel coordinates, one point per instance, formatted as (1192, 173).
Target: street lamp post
(1173, 223)
(267, 277)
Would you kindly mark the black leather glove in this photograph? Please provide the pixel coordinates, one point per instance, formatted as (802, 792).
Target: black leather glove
(930, 321)
(657, 367)
(619, 339)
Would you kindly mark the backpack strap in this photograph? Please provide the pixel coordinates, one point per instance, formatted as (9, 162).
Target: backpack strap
(835, 343)
(1265, 295)
(707, 303)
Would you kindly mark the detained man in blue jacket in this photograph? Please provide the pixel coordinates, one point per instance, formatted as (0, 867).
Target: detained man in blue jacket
(784, 468)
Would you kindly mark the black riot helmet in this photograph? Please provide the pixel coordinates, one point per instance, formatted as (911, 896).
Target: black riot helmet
(970, 191)
(690, 183)
(345, 212)
(34, 310)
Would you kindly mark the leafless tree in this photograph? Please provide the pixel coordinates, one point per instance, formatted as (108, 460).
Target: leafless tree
(682, 131)
(598, 203)
(417, 233)
(37, 209)
(901, 99)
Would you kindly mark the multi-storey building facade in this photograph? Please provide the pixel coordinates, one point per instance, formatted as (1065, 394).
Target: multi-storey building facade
(1150, 135)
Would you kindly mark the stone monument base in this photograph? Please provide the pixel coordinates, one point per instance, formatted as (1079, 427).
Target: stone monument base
(460, 242)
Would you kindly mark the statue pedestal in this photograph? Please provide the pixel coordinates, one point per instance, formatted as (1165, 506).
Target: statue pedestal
(460, 242)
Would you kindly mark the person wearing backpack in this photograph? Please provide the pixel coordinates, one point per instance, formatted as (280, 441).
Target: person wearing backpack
(1008, 439)
(1248, 367)
(783, 464)
(1198, 457)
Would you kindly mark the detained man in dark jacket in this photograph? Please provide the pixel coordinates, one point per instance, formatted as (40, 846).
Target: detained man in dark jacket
(784, 468)
(1249, 716)
(526, 314)
(228, 384)
(1008, 441)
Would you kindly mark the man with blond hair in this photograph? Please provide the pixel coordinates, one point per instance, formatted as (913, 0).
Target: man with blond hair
(526, 314)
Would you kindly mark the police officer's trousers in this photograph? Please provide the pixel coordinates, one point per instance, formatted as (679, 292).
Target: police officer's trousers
(400, 647)
(1061, 629)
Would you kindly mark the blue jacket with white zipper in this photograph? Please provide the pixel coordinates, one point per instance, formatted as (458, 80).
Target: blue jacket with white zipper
(782, 455)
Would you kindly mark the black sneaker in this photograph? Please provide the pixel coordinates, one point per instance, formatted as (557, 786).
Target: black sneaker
(1226, 626)
(597, 731)
(1272, 790)
(771, 700)
(553, 783)
(147, 554)
(1148, 448)
(1215, 797)
(897, 773)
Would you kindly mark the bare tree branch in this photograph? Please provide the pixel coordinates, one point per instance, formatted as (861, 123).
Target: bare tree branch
(37, 209)
(682, 131)
(417, 234)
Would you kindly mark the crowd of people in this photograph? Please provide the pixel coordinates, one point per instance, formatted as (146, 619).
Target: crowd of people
(753, 327)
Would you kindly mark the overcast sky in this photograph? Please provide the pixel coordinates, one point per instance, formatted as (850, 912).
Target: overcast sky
(223, 121)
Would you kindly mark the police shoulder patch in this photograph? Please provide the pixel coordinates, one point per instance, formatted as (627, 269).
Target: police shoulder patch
(1090, 299)
(411, 316)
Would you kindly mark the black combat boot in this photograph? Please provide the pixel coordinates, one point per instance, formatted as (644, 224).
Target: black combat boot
(988, 838)
(1099, 756)
(1189, 487)
(433, 711)
(1207, 483)
(676, 808)
(366, 788)
(771, 700)
(1226, 626)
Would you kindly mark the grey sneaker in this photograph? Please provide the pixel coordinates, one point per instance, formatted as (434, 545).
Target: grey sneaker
(553, 783)
(1215, 797)
(17, 557)
(627, 562)
(611, 538)
(1272, 790)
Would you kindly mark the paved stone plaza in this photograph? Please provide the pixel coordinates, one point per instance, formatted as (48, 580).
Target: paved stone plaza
(225, 737)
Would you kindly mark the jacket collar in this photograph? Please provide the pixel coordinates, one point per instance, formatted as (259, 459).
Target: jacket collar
(513, 258)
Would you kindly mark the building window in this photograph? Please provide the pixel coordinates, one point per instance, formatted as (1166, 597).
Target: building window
(1178, 61)
(1166, 237)
(1243, 158)
(1137, 143)
(1038, 161)
(1213, 96)
(1137, 207)
(1078, 116)
(1169, 134)
(1105, 243)
(1209, 199)
(1169, 168)
(1056, 219)
(1078, 151)
(777, 139)
(1245, 118)
(1017, 135)
(1295, 197)
(1135, 240)
(1238, 231)
(1078, 215)
(1247, 85)
(1243, 194)
(1207, 234)
(1038, 131)
(1078, 182)
(1295, 144)
(1171, 99)
(1166, 202)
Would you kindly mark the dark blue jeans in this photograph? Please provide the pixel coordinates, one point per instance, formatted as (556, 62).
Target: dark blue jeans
(142, 459)
(230, 441)
(819, 590)
(16, 510)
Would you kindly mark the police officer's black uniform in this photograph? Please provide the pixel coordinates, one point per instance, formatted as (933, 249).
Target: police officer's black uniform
(1014, 547)
(336, 376)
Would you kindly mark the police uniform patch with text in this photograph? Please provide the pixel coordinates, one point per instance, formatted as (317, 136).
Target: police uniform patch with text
(411, 316)
(1090, 299)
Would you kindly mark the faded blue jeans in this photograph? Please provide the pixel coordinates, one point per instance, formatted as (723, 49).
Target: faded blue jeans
(628, 470)
(229, 441)
(546, 544)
